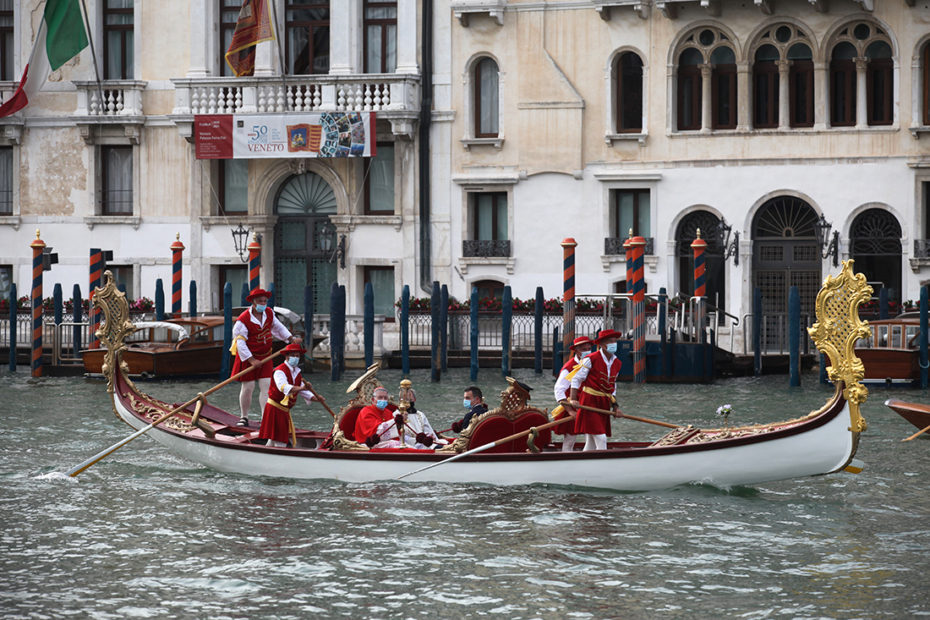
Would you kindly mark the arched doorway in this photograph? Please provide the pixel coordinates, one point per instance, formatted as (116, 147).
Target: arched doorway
(785, 253)
(304, 240)
(875, 240)
(713, 256)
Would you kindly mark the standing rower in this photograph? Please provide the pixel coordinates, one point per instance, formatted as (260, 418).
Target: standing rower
(286, 385)
(596, 381)
(252, 335)
(580, 347)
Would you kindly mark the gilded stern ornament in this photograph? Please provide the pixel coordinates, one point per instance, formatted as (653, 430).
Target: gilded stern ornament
(836, 331)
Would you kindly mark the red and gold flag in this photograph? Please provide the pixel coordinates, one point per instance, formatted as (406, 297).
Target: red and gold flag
(252, 27)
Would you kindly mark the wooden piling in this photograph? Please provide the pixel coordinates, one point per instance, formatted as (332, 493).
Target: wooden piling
(13, 319)
(369, 324)
(159, 300)
(77, 316)
(192, 299)
(924, 362)
(537, 331)
(506, 330)
(227, 330)
(794, 337)
(405, 330)
(37, 247)
(473, 333)
(444, 328)
(435, 363)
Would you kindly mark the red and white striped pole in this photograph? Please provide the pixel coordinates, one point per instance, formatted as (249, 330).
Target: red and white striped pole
(177, 250)
(96, 276)
(637, 247)
(700, 281)
(255, 262)
(568, 292)
(37, 248)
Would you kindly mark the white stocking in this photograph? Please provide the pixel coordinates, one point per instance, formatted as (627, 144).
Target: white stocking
(263, 385)
(568, 443)
(595, 442)
(245, 397)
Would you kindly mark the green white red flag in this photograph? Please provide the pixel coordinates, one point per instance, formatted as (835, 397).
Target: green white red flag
(61, 37)
(252, 27)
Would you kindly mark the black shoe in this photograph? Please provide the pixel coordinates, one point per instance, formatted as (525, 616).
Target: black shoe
(242, 422)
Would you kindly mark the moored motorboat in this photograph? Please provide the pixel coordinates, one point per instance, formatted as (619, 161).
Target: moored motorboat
(915, 413)
(891, 354)
(819, 442)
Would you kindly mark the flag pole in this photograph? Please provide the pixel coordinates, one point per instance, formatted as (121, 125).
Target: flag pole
(274, 26)
(93, 54)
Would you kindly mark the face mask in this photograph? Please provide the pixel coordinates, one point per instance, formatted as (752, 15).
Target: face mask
(381, 404)
(260, 307)
(466, 403)
(293, 361)
(581, 355)
(612, 348)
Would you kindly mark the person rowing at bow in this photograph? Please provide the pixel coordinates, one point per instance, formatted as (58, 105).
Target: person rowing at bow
(286, 385)
(580, 347)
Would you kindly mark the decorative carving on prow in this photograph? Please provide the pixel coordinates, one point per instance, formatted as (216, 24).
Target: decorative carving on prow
(114, 328)
(364, 388)
(836, 331)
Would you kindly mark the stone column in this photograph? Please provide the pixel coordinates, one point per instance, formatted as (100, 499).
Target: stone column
(821, 101)
(743, 116)
(784, 112)
(706, 99)
(407, 32)
(202, 12)
(862, 119)
(345, 42)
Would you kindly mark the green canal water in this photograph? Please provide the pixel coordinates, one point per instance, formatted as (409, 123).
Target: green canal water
(146, 534)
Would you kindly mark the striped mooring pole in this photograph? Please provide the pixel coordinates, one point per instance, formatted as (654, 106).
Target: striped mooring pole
(628, 253)
(568, 292)
(177, 250)
(37, 247)
(255, 261)
(700, 282)
(96, 276)
(637, 247)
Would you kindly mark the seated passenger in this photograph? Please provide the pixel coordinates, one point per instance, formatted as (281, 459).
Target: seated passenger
(420, 433)
(376, 426)
(475, 406)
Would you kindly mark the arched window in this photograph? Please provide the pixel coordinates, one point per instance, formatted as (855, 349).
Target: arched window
(843, 85)
(925, 82)
(488, 289)
(689, 89)
(706, 53)
(783, 78)
(875, 244)
(801, 85)
(487, 98)
(628, 76)
(723, 88)
(862, 51)
(879, 83)
(765, 88)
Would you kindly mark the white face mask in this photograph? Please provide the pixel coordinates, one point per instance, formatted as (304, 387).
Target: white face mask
(293, 361)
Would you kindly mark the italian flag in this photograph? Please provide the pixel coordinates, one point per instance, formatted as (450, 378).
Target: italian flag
(61, 37)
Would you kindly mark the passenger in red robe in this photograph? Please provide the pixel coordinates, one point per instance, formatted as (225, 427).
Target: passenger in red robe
(595, 380)
(286, 385)
(252, 335)
(376, 425)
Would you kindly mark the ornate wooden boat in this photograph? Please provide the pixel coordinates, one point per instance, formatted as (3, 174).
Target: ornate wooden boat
(915, 413)
(891, 354)
(822, 441)
(171, 348)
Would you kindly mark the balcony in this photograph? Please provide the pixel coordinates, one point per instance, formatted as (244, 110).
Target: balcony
(113, 100)
(614, 246)
(395, 97)
(475, 252)
(614, 253)
(921, 257)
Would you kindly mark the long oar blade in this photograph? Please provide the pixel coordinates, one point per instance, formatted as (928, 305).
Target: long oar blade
(449, 460)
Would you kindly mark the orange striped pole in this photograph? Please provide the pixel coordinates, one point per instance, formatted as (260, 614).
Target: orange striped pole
(96, 276)
(568, 292)
(177, 250)
(637, 247)
(700, 283)
(255, 261)
(629, 262)
(37, 247)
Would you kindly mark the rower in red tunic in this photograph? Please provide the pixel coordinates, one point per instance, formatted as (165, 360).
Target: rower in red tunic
(595, 379)
(580, 347)
(252, 336)
(286, 385)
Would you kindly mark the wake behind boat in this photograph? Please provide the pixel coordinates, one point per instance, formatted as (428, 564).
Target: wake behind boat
(819, 442)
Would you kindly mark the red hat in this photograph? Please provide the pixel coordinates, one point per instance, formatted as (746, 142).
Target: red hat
(604, 334)
(257, 292)
(293, 348)
(581, 340)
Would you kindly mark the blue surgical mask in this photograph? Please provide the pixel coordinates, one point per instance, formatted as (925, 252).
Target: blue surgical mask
(466, 403)
(612, 348)
(381, 404)
(293, 361)
(260, 307)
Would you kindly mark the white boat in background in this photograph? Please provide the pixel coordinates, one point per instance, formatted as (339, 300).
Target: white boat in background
(820, 442)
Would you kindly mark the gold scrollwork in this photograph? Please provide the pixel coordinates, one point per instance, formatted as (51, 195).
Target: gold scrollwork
(114, 328)
(836, 331)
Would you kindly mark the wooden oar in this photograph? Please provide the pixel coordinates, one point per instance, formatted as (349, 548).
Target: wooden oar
(488, 446)
(103, 454)
(918, 433)
(628, 417)
(322, 401)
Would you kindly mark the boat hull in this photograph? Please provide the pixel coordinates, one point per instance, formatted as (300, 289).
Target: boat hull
(915, 413)
(168, 362)
(890, 365)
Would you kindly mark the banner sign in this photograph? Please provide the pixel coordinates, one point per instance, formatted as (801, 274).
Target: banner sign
(328, 134)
